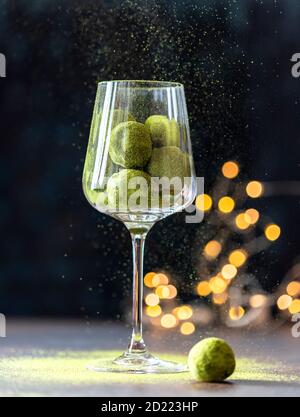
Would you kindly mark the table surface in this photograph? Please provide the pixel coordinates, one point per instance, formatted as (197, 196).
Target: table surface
(49, 358)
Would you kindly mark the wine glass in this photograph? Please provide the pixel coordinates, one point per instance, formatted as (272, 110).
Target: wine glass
(139, 169)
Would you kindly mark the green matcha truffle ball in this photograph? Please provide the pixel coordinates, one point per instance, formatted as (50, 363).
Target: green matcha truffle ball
(211, 360)
(129, 189)
(164, 132)
(168, 161)
(130, 145)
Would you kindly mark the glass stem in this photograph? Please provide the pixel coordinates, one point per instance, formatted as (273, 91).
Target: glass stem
(137, 344)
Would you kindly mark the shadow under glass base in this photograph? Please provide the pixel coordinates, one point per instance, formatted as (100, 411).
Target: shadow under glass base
(137, 363)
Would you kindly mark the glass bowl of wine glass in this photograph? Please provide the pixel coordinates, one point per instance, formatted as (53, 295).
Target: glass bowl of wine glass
(139, 169)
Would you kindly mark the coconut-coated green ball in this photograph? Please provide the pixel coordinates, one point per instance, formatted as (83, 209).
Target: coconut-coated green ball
(168, 161)
(211, 360)
(164, 132)
(130, 145)
(121, 190)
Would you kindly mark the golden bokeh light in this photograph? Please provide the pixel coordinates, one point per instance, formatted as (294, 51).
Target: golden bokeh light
(258, 300)
(184, 312)
(220, 299)
(294, 307)
(251, 216)
(293, 288)
(172, 291)
(217, 285)
(168, 321)
(272, 232)
(284, 301)
(236, 313)
(154, 311)
(187, 328)
(238, 257)
(203, 289)
(148, 278)
(226, 204)
(241, 221)
(229, 271)
(162, 291)
(204, 202)
(152, 300)
(254, 189)
(212, 249)
(159, 279)
(230, 169)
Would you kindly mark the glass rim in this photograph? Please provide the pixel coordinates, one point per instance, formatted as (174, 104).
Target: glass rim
(145, 83)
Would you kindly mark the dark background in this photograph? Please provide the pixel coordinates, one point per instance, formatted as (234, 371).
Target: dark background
(58, 256)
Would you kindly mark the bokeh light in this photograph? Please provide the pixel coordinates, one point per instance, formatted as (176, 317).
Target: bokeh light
(241, 221)
(187, 328)
(258, 300)
(229, 271)
(254, 189)
(230, 169)
(168, 321)
(251, 216)
(238, 257)
(294, 307)
(203, 202)
(293, 288)
(152, 300)
(184, 312)
(212, 249)
(154, 311)
(148, 279)
(272, 232)
(220, 299)
(236, 313)
(226, 204)
(162, 291)
(203, 289)
(172, 291)
(284, 301)
(217, 285)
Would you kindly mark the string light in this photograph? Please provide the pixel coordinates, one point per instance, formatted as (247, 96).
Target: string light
(229, 271)
(162, 291)
(257, 300)
(284, 301)
(226, 204)
(172, 292)
(294, 307)
(293, 288)
(154, 311)
(184, 312)
(203, 202)
(203, 288)
(254, 189)
(212, 249)
(238, 257)
(187, 328)
(168, 321)
(272, 232)
(217, 285)
(251, 216)
(152, 300)
(230, 169)
(236, 313)
(241, 221)
(148, 279)
(220, 299)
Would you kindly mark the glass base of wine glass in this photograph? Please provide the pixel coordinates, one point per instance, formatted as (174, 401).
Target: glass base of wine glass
(137, 363)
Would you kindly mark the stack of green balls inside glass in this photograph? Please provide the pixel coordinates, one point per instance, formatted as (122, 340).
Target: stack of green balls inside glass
(141, 151)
